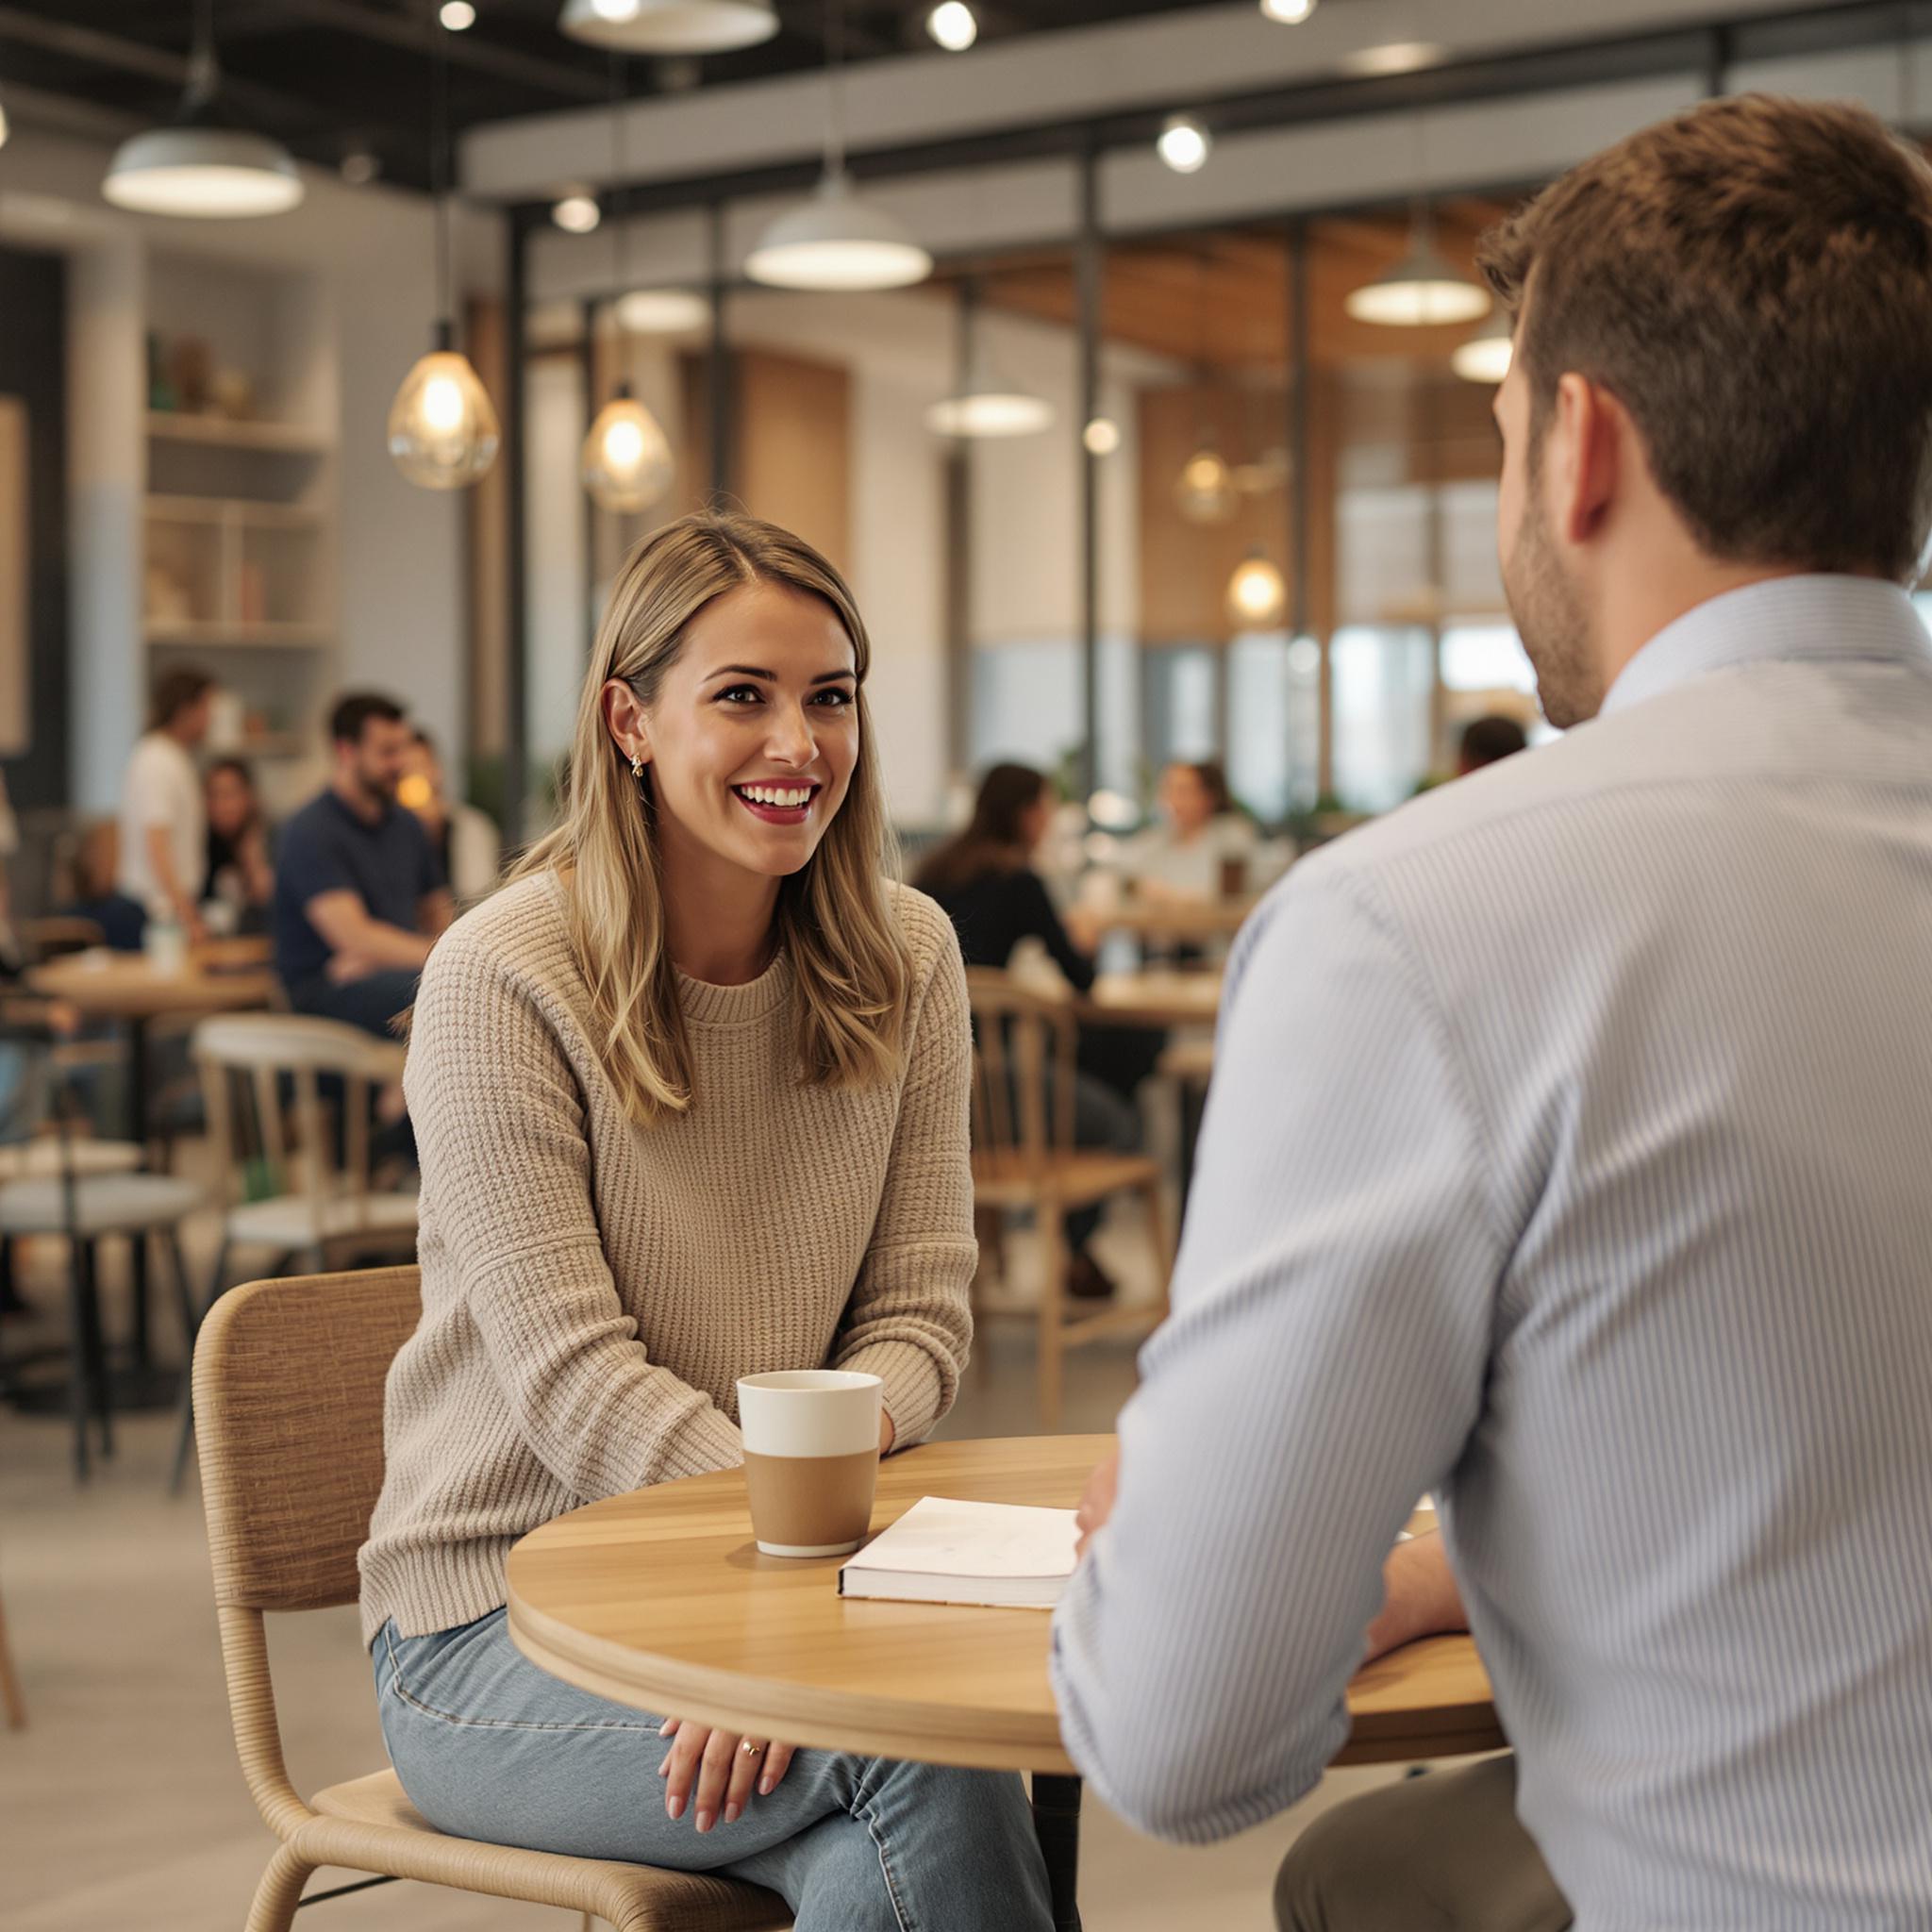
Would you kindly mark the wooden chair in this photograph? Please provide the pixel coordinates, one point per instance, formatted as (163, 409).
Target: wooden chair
(1024, 1157)
(288, 1381)
(12, 1702)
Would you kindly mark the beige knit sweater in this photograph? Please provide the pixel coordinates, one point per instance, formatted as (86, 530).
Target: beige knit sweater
(591, 1290)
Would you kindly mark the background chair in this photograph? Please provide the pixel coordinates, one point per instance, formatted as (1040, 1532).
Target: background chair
(12, 1702)
(287, 1382)
(1024, 1157)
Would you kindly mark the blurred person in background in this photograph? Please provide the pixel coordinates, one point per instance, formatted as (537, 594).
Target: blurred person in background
(466, 843)
(986, 880)
(1486, 742)
(239, 879)
(1205, 847)
(163, 820)
(359, 898)
(96, 896)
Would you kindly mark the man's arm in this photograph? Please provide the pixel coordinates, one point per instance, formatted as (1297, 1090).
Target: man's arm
(353, 938)
(160, 860)
(436, 912)
(1324, 1367)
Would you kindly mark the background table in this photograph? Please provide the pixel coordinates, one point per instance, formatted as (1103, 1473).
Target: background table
(1158, 997)
(660, 1600)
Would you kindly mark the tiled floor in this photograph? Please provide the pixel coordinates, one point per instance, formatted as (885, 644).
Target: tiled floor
(122, 1805)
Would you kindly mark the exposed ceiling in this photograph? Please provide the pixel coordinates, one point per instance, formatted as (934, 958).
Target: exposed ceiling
(336, 77)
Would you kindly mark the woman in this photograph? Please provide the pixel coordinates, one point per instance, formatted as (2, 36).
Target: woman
(690, 1094)
(238, 873)
(1208, 849)
(985, 879)
(466, 843)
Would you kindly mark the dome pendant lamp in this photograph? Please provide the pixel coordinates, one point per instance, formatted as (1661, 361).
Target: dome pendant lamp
(836, 241)
(443, 430)
(197, 167)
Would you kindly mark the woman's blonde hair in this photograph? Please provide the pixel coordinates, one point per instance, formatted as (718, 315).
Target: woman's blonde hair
(849, 959)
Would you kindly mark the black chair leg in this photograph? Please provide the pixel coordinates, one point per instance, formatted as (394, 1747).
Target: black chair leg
(97, 1343)
(80, 1366)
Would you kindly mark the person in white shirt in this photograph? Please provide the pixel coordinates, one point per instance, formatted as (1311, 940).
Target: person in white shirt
(464, 840)
(1205, 844)
(164, 815)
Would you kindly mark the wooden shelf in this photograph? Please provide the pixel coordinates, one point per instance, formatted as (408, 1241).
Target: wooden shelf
(240, 510)
(202, 634)
(287, 438)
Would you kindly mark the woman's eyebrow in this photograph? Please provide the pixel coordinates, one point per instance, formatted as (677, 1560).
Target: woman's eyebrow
(772, 676)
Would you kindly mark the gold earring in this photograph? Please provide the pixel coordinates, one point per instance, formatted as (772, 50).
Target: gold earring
(637, 764)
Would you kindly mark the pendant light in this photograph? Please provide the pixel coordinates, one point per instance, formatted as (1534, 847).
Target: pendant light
(835, 241)
(443, 430)
(670, 26)
(196, 168)
(1486, 356)
(1422, 290)
(1257, 595)
(626, 464)
(982, 404)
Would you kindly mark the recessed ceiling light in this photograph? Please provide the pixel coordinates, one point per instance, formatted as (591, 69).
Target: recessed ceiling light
(576, 214)
(1289, 13)
(458, 16)
(662, 311)
(1102, 437)
(1184, 144)
(952, 24)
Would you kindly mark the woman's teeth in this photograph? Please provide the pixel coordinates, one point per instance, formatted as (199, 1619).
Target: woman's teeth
(783, 795)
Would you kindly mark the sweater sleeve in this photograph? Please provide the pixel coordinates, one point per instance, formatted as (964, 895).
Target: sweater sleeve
(909, 1320)
(1039, 918)
(507, 1190)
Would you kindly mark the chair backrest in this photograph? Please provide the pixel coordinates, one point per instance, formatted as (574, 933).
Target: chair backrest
(245, 1059)
(287, 1402)
(1024, 1048)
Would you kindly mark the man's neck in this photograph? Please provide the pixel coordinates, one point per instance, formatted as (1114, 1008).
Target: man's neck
(367, 808)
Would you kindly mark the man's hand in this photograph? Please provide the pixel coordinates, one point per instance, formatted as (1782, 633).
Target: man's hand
(1419, 1596)
(723, 1767)
(1096, 1501)
(346, 967)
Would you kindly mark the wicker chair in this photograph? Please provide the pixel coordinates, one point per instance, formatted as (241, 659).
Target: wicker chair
(288, 1384)
(1024, 1157)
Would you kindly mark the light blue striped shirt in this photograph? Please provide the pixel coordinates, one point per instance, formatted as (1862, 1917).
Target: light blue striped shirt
(1570, 1154)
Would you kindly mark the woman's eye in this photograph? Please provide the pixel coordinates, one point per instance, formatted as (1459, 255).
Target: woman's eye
(835, 699)
(740, 693)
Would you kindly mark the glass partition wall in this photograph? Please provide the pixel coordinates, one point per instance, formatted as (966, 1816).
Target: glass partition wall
(1292, 508)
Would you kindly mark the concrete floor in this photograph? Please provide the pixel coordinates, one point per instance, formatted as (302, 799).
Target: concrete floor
(122, 1804)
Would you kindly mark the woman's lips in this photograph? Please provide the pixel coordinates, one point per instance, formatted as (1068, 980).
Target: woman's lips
(765, 805)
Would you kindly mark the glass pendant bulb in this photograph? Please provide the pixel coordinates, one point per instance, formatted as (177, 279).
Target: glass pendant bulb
(1205, 491)
(627, 463)
(443, 428)
(1256, 593)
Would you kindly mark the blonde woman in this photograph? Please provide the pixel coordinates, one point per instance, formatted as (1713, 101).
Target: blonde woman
(692, 1099)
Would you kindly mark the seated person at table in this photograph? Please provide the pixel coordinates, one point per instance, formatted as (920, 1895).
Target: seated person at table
(359, 898)
(1205, 842)
(1600, 1209)
(691, 1093)
(239, 885)
(95, 897)
(985, 879)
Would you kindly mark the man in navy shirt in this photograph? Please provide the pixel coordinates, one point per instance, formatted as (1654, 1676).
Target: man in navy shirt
(360, 896)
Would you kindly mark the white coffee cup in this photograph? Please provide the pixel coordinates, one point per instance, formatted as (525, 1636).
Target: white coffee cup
(811, 1459)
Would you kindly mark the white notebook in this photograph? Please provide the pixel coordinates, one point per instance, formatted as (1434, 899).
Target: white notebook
(1001, 1555)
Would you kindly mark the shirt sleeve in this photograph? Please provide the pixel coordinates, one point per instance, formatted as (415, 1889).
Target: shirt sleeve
(493, 1095)
(1321, 1369)
(909, 1320)
(1039, 919)
(150, 796)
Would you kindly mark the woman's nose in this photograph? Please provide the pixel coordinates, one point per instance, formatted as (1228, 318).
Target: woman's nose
(791, 741)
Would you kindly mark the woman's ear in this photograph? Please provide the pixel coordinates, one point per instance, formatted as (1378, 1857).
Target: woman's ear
(624, 718)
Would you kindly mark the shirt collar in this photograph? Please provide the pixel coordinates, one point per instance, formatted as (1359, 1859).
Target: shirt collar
(1815, 618)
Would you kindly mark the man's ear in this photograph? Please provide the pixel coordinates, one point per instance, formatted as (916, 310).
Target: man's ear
(1582, 457)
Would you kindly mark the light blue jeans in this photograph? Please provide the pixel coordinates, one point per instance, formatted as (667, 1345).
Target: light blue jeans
(489, 1746)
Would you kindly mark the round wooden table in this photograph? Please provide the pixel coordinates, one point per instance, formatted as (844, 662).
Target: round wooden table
(660, 1600)
(1177, 920)
(1159, 997)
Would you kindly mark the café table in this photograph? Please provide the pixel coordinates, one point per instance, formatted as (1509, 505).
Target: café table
(660, 1600)
(1156, 998)
(129, 989)
(1172, 922)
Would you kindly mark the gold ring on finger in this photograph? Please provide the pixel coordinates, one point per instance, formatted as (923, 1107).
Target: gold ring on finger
(750, 1749)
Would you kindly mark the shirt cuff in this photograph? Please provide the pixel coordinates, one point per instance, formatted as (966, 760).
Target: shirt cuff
(911, 1394)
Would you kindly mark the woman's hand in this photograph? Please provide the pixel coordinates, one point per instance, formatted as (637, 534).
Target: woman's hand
(1096, 1501)
(888, 1433)
(723, 1767)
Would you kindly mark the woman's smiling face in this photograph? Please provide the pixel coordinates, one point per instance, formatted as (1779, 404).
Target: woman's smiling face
(754, 733)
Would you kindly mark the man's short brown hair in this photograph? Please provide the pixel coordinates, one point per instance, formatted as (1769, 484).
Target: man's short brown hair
(174, 692)
(1753, 282)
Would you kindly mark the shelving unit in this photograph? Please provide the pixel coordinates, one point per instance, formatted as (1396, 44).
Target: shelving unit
(238, 516)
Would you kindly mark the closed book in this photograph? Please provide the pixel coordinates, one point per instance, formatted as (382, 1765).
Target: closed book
(1004, 1556)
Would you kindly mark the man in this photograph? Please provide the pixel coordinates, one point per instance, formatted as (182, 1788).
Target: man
(1569, 1152)
(1487, 741)
(359, 899)
(163, 821)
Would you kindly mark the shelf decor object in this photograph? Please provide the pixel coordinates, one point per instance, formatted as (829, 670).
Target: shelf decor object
(197, 167)
(443, 428)
(627, 463)
(835, 241)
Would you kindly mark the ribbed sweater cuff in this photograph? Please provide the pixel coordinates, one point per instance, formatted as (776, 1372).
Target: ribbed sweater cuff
(912, 1389)
(710, 1440)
